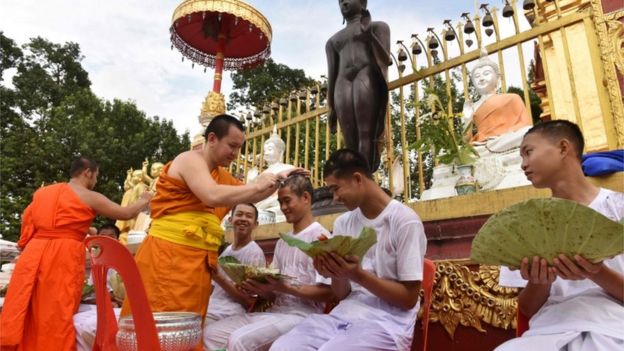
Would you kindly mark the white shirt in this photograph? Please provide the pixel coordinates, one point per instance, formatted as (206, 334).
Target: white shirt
(296, 264)
(579, 305)
(397, 255)
(221, 304)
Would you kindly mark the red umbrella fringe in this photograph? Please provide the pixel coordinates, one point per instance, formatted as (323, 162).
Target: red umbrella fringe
(208, 60)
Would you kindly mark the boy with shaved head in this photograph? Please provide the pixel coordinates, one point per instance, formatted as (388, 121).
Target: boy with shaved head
(575, 304)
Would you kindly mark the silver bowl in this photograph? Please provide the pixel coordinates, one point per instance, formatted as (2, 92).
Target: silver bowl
(177, 331)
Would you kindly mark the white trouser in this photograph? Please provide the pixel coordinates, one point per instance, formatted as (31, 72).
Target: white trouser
(86, 325)
(253, 331)
(327, 332)
(569, 341)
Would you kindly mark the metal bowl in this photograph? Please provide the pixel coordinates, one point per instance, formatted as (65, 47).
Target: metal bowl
(177, 331)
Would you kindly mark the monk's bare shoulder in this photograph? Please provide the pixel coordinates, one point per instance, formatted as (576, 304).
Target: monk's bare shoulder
(188, 161)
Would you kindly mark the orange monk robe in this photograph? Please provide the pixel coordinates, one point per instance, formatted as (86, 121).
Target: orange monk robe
(177, 277)
(46, 285)
(499, 114)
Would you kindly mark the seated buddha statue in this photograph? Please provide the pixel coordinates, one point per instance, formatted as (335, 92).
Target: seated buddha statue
(496, 116)
(501, 120)
(274, 158)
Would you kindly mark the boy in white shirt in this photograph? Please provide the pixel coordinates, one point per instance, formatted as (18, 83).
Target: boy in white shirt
(379, 295)
(226, 300)
(574, 305)
(293, 300)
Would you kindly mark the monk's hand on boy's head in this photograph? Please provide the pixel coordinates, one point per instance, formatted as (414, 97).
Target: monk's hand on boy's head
(298, 171)
(537, 272)
(266, 181)
(576, 269)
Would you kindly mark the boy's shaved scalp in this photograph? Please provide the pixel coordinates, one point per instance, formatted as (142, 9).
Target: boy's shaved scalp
(561, 129)
(299, 184)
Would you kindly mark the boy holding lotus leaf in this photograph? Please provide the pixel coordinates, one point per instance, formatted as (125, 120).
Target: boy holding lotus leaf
(573, 304)
(379, 293)
(294, 297)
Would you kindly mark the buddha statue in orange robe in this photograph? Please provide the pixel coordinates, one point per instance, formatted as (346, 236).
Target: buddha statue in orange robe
(494, 114)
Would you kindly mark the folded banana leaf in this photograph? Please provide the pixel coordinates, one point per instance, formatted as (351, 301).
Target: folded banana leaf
(239, 272)
(546, 228)
(343, 245)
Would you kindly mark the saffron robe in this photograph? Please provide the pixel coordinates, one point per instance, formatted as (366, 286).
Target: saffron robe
(175, 272)
(46, 285)
(499, 114)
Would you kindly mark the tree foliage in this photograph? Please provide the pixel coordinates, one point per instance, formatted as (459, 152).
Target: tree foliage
(265, 83)
(51, 115)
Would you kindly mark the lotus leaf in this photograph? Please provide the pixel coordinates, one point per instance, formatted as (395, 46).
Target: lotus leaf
(546, 228)
(343, 245)
(239, 272)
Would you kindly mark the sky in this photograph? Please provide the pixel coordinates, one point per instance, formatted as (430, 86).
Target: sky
(128, 55)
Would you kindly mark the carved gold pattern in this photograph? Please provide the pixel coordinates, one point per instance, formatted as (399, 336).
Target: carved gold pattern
(213, 105)
(470, 298)
(233, 7)
(611, 39)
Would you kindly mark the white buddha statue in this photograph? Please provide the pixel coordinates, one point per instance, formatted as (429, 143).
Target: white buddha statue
(501, 120)
(274, 158)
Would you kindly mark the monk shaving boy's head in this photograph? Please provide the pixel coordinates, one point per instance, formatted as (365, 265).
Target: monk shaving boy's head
(87, 169)
(110, 230)
(348, 177)
(550, 151)
(295, 197)
(244, 220)
(224, 137)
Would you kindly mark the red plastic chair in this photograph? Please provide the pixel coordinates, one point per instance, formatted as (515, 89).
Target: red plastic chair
(522, 323)
(108, 253)
(429, 269)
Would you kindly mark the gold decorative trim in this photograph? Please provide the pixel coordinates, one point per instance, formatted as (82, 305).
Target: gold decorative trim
(611, 40)
(234, 7)
(462, 296)
(213, 105)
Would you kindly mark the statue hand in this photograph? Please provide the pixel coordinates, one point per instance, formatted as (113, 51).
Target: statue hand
(333, 121)
(365, 22)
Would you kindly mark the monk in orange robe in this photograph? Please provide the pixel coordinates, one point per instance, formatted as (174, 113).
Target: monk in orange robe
(193, 194)
(499, 114)
(46, 285)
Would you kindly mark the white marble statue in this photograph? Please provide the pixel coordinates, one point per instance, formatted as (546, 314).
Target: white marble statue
(501, 120)
(274, 158)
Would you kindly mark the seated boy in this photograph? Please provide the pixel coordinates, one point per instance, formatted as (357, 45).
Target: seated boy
(85, 321)
(226, 300)
(575, 304)
(293, 300)
(379, 295)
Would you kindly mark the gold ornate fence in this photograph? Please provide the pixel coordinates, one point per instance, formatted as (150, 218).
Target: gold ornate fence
(572, 42)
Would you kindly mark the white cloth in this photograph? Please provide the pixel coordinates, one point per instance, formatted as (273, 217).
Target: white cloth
(329, 333)
(296, 264)
(221, 305)
(257, 331)
(576, 306)
(247, 332)
(85, 324)
(568, 341)
(398, 255)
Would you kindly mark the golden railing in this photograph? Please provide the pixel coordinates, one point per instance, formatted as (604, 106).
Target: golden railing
(573, 32)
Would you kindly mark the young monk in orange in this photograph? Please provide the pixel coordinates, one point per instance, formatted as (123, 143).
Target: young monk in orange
(193, 194)
(44, 291)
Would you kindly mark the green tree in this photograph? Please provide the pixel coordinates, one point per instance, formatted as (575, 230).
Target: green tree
(265, 83)
(51, 115)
